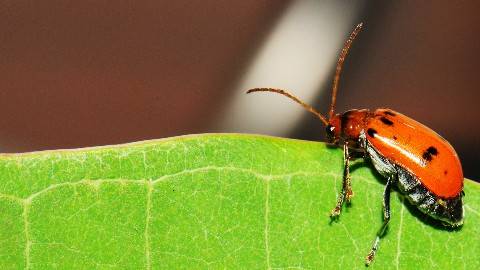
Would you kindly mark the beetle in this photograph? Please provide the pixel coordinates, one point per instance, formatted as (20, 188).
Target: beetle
(423, 165)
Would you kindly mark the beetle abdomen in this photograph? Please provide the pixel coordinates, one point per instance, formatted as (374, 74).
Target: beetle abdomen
(450, 210)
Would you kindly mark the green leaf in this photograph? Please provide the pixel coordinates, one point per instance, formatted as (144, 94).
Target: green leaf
(216, 202)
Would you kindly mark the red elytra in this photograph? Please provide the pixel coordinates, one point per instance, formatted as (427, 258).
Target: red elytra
(432, 159)
(423, 165)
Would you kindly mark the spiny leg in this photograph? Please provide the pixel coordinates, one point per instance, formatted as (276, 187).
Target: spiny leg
(346, 193)
(386, 219)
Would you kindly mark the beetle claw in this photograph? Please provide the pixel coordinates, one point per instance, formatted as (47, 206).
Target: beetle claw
(335, 213)
(349, 196)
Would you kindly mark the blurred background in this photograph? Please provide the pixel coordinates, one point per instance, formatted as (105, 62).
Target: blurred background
(86, 73)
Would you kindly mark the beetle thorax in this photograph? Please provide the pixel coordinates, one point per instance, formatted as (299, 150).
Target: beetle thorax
(346, 127)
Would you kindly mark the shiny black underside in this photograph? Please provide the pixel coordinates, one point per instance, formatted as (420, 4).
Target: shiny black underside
(449, 211)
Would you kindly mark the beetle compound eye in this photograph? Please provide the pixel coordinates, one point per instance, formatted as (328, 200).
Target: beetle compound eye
(330, 131)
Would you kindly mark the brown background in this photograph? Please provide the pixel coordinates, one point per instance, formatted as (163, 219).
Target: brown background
(104, 72)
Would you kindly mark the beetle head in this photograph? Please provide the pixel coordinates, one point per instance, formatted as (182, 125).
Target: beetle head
(333, 129)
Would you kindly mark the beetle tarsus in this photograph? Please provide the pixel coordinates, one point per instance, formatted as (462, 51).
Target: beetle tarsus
(371, 254)
(338, 208)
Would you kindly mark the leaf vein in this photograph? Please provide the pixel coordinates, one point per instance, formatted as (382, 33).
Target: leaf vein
(28, 241)
(471, 210)
(266, 233)
(399, 235)
(148, 217)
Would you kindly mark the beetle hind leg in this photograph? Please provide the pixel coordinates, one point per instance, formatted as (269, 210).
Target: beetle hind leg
(386, 219)
(346, 194)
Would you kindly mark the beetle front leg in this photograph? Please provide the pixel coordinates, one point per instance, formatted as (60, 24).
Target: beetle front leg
(346, 194)
(346, 175)
(386, 219)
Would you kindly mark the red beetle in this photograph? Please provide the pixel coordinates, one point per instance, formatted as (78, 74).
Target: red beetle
(423, 165)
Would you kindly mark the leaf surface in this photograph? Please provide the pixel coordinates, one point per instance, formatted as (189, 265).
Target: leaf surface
(213, 202)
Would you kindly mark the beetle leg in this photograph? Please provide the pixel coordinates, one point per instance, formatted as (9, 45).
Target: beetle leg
(346, 193)
(346, 175)
(386, 219)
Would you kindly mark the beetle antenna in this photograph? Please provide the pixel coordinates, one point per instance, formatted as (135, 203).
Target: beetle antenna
(338, 70)
(294, 98)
